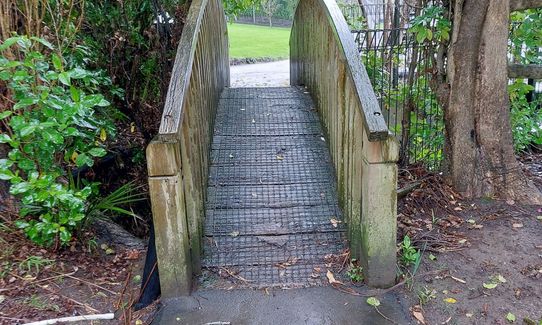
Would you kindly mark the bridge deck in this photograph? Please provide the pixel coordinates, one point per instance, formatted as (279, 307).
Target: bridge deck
(271, 196)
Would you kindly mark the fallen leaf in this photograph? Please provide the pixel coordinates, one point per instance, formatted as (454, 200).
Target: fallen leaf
(331, 278)
(462, 241)
(279, 157)
(372, 301)
(432, 257)
(334, 222)
(234, 233)
(450, 300)
(500, 278)
(417, 313)
(510, 317)
(139, 322)
(489, 285)
(517, 225)
(539, 218)
(231, 156)
(103, 135)
(471, 221)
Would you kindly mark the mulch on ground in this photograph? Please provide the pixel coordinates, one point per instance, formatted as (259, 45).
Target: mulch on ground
(84, 279)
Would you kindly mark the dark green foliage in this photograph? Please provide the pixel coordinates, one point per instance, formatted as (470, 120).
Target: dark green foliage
(53, 127)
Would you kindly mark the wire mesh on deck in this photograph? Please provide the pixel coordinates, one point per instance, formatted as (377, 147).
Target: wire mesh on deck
(271, 197)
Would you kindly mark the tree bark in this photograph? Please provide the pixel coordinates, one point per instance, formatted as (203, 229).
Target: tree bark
(479, 151)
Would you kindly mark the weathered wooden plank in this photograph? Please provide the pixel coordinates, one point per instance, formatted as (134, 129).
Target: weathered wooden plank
(379, 223)
(171, 233)
(163, 158)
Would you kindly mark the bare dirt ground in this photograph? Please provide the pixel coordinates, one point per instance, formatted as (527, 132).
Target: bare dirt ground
(83, 279)
(487, 255)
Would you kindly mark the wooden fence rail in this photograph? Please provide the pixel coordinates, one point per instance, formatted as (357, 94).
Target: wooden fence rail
(177, 158)
(324, 59)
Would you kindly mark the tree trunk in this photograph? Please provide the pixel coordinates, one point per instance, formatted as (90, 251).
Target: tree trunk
(479, 152)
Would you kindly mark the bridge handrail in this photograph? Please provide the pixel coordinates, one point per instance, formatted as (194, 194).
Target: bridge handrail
(178, 157)
(183, 67)
(323, 58)
(373, 118)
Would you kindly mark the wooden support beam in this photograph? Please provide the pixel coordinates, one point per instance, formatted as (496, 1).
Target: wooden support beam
(171, 232)
(516, 5)
(527, 71)
(379, 223)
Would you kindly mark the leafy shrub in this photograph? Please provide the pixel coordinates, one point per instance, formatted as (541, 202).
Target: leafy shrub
(526, 117)
(52, 128)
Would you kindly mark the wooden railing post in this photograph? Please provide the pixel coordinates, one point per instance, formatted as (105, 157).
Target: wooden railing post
(379, 212)
(169, 217)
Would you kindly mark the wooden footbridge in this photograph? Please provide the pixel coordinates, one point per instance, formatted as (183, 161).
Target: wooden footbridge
(267, 181)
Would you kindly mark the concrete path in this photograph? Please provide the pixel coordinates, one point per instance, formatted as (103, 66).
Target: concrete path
(271, 74)
(311, 306)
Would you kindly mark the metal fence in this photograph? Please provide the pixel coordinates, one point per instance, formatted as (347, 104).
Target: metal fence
(400, 71)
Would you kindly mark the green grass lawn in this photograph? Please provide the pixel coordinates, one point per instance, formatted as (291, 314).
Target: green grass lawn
(250, 41)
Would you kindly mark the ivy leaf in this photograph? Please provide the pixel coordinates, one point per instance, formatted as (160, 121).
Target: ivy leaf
(57, 62)
(6, 174)
(25, 102)
(4, 138)
(53, 136)
(372, 301)
(9, 42)
(44, 42)
(83, 159)
(5, 114)
(20, 188)
(64, 78)
(27, 130)
(97, 152)
(75, 94)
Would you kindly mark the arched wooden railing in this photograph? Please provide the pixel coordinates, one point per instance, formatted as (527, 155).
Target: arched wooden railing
(324, 59)
(177, 158)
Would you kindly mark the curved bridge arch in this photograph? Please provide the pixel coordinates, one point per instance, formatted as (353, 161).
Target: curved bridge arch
(364, 155)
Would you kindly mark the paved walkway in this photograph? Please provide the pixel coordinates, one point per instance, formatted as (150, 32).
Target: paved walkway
(271, 74)
(312, 306)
